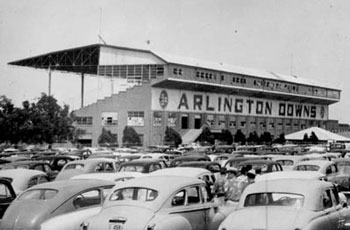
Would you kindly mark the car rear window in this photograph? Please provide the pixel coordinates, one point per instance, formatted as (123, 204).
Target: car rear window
(134, 193)
(132, 168)
(38, 194)
(274, 199)
(307, 167)
(75, 166)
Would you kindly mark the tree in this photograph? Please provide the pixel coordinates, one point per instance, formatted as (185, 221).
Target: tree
(306, 138)
(130, 137)
(266, 138)
(226, 136)
(107, 138)
(171, 136)
(253, 138)
(240, 137)
(281, 139)
(206, 136)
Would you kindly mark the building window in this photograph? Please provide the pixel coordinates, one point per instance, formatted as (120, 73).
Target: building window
(210, 119)
(272, 125)
(84, 120)
(262, 125)
(243, 124)
(109, 118)
(157, 118)
(222, 121)
(253, 125)
(232, 124)
(172, 119)
(136, 119)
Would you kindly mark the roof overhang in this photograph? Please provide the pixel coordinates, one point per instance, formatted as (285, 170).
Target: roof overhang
(175, 83)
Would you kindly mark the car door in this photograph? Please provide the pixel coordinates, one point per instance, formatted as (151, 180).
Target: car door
(7, 195)
(331, 209)
(188, 203)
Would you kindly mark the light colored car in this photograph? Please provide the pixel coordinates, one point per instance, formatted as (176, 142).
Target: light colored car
(291, 175)
(21, 179)
(114, 177)
(329, 168)
(44, 201)
(92, 165)
(287, 161)
(288, 204)
(72, 220)
(158, 202)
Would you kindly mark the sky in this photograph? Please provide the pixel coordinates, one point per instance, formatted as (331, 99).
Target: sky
(309, 39)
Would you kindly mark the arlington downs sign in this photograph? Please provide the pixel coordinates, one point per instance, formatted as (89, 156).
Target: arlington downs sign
(201, 102)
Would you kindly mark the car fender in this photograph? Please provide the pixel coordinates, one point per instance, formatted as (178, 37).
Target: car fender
(71, 220)
(172, 222)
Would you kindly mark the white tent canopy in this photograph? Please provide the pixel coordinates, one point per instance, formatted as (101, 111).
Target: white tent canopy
(322, 135)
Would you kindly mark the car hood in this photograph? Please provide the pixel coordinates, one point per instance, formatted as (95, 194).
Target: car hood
(133, 217)
(28, 215)
(267, 217)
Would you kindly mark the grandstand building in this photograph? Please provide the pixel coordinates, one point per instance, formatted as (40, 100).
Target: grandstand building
(187, 94)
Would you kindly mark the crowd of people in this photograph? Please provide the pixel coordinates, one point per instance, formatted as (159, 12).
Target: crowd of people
(229, 186)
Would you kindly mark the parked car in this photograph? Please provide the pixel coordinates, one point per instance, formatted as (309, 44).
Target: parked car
(266, 166)
(36, 165)
(72, 220)
(44, 201)
(114, 177)
(213, 167)
(186, 158)
(329, 168)
(143, 166)
(7, 195)
(158, 202)
(21, 179)
(234, 161)
(291, 175)
(342, 179)
(288, 204)
(287, 161)
(88, 166)
(56, 161)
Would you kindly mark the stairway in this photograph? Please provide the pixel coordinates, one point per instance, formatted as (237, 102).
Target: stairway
(190, 136)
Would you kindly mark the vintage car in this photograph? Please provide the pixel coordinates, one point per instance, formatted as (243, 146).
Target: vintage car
(44, 201)
(342, 179)
(213, 167)
(288, 204)
(21, 179)
(291, 175)
(266, 166)
(194, 157)
(114, 177)
(56, 161)
(329, 168)
(287, 161)
(36, 165)
(234, 161)
(7, 195)
(146, 203)
(88, 166)
(142, 165)
(72, 220)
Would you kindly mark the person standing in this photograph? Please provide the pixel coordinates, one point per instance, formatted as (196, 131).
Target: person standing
(218, 189)
(232, 187)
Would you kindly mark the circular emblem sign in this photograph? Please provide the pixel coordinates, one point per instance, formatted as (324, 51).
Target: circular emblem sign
(322, 112)
(163, 99)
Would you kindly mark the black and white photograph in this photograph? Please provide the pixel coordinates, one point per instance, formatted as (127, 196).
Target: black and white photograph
(174, 115)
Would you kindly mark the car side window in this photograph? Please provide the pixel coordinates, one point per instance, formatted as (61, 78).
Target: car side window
(47, 168)
(205, 197)
(33, 181)
(87, 199)
(42, 179)
(154, 167)
(193, 196)
(327, 199)
(179, 198)
(108, 166)
(39, 167)
(4, 192)
(335, 196)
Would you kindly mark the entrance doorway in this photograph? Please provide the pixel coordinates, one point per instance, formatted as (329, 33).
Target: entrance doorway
(184, 121)
(197, 121)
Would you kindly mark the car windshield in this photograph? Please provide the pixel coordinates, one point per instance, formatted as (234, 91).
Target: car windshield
(307, 167)
(274, 199)
(38, 194)
(134, 193)
(132, 168)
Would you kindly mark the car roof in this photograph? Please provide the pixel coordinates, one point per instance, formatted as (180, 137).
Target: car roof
(20, 177)
(108, 176)
(257, 161)
(321, 163)
(140, 162)
(290, 175)
(183, 171)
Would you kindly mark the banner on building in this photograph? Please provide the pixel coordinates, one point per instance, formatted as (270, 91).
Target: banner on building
(191, 101)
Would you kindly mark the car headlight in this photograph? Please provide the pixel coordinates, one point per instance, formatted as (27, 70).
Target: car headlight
(84, 226)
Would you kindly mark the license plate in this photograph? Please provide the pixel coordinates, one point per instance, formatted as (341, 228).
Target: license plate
(115, 226)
